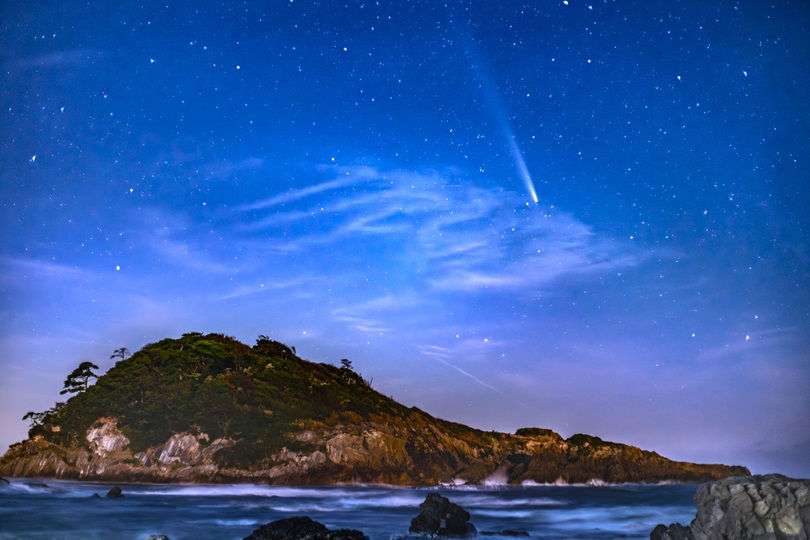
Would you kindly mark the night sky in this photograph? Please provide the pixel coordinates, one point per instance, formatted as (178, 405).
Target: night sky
(589, 216)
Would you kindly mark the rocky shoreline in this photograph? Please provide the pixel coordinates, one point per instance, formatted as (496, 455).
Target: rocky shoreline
(760, 507)
(364, 453)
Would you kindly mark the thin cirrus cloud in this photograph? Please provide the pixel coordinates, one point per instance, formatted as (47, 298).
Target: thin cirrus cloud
(467, 239)
(14, 268)
(226, 168)
(350, 178)
(71, 57)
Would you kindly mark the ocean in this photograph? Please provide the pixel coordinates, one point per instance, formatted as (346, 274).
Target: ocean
(55, 509)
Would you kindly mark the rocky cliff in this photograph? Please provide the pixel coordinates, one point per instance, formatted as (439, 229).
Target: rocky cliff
(211, 409)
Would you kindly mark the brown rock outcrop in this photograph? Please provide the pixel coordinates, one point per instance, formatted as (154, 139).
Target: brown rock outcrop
(423, 451)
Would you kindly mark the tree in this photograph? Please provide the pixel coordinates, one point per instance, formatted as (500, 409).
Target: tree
(40, 418)
(346, 364)
(79, 378)
(35, 417)
(122, 353)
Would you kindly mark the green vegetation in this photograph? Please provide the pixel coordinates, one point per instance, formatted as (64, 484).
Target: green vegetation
(79, 378)
(216, 385)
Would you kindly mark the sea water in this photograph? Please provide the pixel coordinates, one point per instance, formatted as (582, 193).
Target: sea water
(53, 509)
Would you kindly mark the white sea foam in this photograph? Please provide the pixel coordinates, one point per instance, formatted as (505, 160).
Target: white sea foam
(233, 511)
(498, 478)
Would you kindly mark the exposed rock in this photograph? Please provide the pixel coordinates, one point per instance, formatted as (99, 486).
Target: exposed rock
(676, 531)
(440, 517)
(302, 528)
(105, 437)
(157, 537)
(181, 447)
(769, 507)
(114, 493)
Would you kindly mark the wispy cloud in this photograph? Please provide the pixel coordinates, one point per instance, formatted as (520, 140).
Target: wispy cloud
(759, 342)
(362, 324)
(60, 58)
(40, 269)
(348, 177)
(262, 288)
(468, 238)
(226, 168)
(364, 316)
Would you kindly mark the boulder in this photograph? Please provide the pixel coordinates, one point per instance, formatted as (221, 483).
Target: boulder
(676, 531)
(440, 517)
(302, 528)
(157, 537)
(760, 507)
(114, 493)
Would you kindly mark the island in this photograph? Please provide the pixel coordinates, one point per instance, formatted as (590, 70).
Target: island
(210, 409)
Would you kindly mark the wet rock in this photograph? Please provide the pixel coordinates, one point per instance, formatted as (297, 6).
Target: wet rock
(676, 531)
(302, 528)
(114, 493)
(440, 517)
(157, 537)
(760, 507)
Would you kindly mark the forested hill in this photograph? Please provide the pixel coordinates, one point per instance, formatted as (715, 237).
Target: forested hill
(211, 409)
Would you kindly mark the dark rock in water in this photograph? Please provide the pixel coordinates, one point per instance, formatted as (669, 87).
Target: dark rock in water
(302, 528)
(157, 537)
(440, 517)
(115, 492)
(676, 531)
(760, 507)
(95, 496)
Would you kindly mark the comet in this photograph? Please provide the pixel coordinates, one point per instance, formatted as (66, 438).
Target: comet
(496, 105)
(523, 170)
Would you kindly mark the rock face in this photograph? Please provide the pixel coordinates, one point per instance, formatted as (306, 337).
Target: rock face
(180, 459)
(769, 507)
(105, 438)
(440, 517)
(302, 528)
